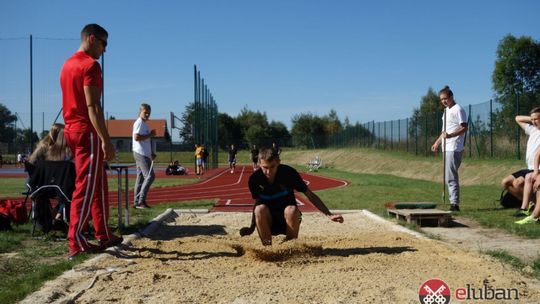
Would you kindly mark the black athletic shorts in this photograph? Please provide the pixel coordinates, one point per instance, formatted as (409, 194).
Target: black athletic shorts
(521, 173)
(279, 224)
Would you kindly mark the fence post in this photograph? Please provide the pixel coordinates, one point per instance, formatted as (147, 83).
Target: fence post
(373, 136)
(407, 133)
(425, 134)
(416, 138)
(391, 135)
(384, 135)
(491, 126)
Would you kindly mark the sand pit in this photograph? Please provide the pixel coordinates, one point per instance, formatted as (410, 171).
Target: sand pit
(200, 258)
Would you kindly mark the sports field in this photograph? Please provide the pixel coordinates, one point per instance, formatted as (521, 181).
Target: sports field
(200, 258)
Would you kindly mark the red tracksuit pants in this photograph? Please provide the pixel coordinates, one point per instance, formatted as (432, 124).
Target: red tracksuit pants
(90, 197)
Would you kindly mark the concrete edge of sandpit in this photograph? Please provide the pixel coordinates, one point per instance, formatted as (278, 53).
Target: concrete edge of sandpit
(391, 225)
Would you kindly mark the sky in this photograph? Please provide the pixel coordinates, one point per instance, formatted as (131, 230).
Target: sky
(368, 60)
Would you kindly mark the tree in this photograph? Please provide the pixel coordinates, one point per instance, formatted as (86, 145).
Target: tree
(517, 68)
(308, 130)
(332, 124)
(278, 132)
(7, 130)
(186, 132)
(426, 120)
(516, 80)
(255, 134)
(229, 132)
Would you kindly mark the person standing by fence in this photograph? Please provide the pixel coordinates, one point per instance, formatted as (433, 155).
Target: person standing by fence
(453, 134)
(88, 139)
(143, 155)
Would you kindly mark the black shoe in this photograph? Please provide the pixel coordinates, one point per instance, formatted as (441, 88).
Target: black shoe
(521, 213)
(454, 208)
(113, 241)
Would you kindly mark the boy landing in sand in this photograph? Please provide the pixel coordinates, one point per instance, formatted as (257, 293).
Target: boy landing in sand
(275, 211)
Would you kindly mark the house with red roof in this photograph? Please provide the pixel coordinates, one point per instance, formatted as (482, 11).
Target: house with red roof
(120, 131)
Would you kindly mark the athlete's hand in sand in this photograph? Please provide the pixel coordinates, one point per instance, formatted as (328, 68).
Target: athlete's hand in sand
(244, 231)
(336, 218)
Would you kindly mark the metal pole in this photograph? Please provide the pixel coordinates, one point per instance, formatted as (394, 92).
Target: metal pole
(31, 96)
(491, 125)
(470, 124)
(126, 189)
(444, 160)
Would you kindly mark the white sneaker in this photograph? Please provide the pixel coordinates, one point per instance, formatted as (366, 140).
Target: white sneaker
(232, 171)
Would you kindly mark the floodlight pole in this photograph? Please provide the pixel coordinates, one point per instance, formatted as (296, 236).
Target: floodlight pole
(31, 96)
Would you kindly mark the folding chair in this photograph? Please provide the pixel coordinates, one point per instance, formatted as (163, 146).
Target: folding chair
(49, 180)
(315, 164)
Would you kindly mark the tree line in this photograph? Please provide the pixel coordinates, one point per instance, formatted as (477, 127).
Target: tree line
(516, 86)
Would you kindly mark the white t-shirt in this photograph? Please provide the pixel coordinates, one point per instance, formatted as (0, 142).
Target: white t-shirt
(455, 117)
(143, 147)
(532, 145)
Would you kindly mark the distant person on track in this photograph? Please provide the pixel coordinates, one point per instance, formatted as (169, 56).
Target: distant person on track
(88, 139)
(275, 211)
(232, 158)
(20, 160)
(175, 168)
(519, 183)
(255, 157)
(204, 159)
(453, 134)
(143, 155)
(277, 148)
(198, 159)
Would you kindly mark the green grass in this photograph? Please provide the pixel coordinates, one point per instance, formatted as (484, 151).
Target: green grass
(532, 269)
(369, 191)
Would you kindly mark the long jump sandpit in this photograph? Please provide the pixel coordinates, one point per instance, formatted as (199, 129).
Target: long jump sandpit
(200, 258)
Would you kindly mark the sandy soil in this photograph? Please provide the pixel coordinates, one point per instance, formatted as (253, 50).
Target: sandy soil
(202, 259)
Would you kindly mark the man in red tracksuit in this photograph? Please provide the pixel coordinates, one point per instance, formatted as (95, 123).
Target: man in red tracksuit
(87, 137)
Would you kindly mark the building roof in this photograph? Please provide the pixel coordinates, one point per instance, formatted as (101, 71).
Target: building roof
(124, 127)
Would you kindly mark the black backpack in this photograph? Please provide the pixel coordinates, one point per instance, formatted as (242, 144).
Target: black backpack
(507, 200)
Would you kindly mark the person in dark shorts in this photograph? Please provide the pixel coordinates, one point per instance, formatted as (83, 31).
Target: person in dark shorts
(255, 157)
(275, 211)
(232, 157)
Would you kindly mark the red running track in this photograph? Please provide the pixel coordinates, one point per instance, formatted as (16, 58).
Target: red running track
(230, 190)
